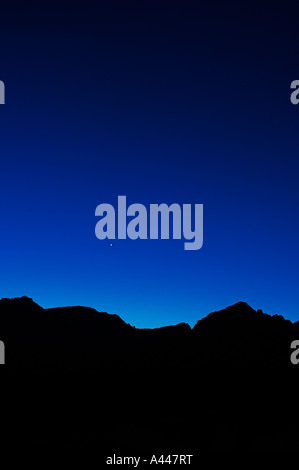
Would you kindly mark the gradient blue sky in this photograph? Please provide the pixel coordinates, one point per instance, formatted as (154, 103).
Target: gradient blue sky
(185, 102)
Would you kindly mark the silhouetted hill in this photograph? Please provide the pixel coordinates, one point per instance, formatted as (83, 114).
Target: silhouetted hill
(240, 335)
(81, 336)
(87, 377)
(240, 316)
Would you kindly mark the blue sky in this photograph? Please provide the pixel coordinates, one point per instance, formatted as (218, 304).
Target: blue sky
(188, 103)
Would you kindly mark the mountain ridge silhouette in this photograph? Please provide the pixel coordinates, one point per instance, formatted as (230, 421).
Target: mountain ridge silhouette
(82, 377)
(29, 302)
(82, 335)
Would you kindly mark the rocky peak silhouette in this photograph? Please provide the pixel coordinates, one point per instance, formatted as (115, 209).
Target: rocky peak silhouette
(226, 383)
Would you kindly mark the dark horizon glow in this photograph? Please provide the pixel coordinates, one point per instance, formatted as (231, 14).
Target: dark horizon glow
(186, 104)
